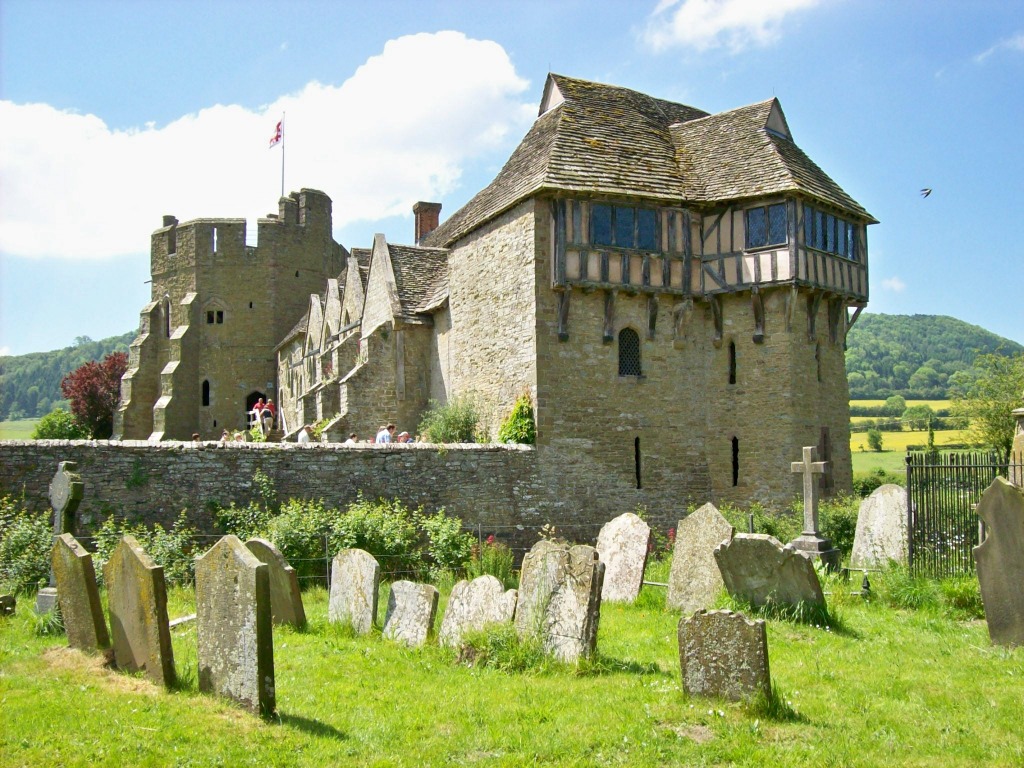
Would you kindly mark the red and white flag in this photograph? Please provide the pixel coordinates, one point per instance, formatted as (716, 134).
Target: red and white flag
(278, 134)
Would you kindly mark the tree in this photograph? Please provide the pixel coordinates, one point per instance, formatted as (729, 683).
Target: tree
(94, 390)
(918, 417)
(989, 400)
(894, 406)
(874, 440)
(59, 424)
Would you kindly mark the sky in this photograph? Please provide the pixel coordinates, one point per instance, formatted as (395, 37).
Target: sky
(116, 113)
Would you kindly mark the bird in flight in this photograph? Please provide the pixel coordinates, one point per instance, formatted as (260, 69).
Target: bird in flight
(926, 191)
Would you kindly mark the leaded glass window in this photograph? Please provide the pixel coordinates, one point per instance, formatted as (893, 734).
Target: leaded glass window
(629, 353)
(757, 229)
(776, 224)
(829, 233)
(819, 230)
(601, 224)
(647, 229)
(766, 226)
(624, 227)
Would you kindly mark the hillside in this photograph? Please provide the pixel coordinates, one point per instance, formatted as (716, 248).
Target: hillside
(30, 384)
(917, 356)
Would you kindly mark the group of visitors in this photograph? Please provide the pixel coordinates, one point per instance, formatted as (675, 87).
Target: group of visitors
(387, 434)
(264, 414)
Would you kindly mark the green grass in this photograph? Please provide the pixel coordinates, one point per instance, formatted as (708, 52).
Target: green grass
(894, 687)
(890, 461)
(934, 404)
(17, 430)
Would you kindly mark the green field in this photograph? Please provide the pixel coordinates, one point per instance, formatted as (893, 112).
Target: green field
(17, 430)
(935, 404)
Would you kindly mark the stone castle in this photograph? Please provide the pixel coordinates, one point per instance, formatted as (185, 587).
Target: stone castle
(672, 288)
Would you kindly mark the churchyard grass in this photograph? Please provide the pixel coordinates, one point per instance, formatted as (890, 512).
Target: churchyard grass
(895, 687)
(890, 461)
(20, 429)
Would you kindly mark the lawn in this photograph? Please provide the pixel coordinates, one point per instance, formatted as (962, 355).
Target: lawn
(17, 430)
(881, 687)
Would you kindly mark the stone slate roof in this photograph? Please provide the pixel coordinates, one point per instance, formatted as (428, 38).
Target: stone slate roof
(362, 257)
(613, 141)
(421, 277)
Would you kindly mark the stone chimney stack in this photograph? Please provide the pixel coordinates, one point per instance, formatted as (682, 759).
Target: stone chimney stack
(427, 217)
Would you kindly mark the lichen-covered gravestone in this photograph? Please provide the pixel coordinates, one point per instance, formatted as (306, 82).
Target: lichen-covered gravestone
(285, 596)
(622, 546)
(78, 596)
(411, 611)
(474, 605)
(560, 598)
(1000, 559)
(695, 580)
(757, 568)
(724, 654)
(137, 604)
(881, 535)
(66, 493)
(233, 626)
(355, 580)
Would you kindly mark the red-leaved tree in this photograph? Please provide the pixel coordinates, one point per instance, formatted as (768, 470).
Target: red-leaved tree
(94, 390)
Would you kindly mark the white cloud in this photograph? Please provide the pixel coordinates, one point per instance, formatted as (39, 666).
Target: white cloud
(1015, 43)
(377, 143)
(706, 24)
(894, 284)
(5, 351)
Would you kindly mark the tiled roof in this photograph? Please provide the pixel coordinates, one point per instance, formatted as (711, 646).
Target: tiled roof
(362, 257)
(421, 276)
(608, 140)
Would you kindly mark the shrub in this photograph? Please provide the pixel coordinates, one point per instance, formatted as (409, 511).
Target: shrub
(452, 422)
(385, 529)
(875, 440)
(448, 547)
(172, 549)
(59, 424)
(865, 483)
(519, 427)
(299, 530)
(495, 559)
(26, 539)
(784, 526)
(837, 520)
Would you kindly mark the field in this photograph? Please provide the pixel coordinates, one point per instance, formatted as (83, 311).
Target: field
(17, 430)
(935, 404)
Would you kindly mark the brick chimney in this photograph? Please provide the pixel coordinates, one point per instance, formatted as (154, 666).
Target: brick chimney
(427, 216)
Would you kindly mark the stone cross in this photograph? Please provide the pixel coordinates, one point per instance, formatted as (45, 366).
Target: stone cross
(811, 542)
(66, 493)
(809, 468)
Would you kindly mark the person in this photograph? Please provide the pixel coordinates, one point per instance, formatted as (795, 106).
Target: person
(384, 434)
(225, 436)
(195, 437)
(305, 434)
(268, 415)
(351, 439)
(254, 414)
(403, 437)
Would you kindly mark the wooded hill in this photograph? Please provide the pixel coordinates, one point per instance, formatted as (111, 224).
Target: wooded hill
(921, 357)
(30, 384)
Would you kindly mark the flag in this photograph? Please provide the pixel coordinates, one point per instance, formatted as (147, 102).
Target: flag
(278, 134)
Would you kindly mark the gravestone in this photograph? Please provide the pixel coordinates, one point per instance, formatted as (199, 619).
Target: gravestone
(1000, 559)
(7, 605)
(560, 598)
(1016, 473)
(66, 493)
(757, 568)
(285, 596)
(881, 535)
(724, 654)
(695, 581)
(233, 626)
(411, 611)
(622, 546)
(137, 604)
(811, 542)
(474, 605)
(77, 595)
(355, 581)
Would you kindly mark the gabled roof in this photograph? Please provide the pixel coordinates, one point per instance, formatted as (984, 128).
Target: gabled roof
(421, 277)
(612, 141)
(362, 257)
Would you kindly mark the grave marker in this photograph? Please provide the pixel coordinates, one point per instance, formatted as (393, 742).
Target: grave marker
(78, 596)
(66, 493)
(724, 654)
(811, 541)
(355, 582)
(881, 535)
(757, 568)
(1000, 559)
(411, 611)
(622, 546)
(695, 580)
(285, 596)
(474, 605)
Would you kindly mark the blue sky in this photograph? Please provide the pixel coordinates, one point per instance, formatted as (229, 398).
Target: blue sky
(116, 113)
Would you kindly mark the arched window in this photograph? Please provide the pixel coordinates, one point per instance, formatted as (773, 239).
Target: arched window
(206, 392)
(167, 316)
(629, 353)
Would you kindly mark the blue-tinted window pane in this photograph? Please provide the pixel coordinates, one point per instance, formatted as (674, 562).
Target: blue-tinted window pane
(647, 230)
(624, 227)
(776, 224)
(757, 228)
(601, 224)
(819, 230)
(577, 221)
(830, 232)
(808, 225)
(851, 242)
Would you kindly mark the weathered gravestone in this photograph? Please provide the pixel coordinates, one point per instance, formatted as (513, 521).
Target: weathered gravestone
(7, 605)
(355, 580)
(1016, 473)
(233, 626)
(695, 581)
(66, 493)
(411, 611)
(474, 605)
(757, 568)
(881, 535)
(1000, 559)
(77, 595)
(137, 604)
(560, 598)
(622, 547)
(285, 596)
(811, 542)
(724, 654)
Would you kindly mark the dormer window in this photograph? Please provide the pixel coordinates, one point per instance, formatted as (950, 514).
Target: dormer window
(766, 226)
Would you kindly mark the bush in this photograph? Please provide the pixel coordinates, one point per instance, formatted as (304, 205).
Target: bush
(453, 422)
(385, 529)
(875, 440)
(299, 530)
(784, 526)
(495, 559)
(26, 539)
(172, 549)
(448, 547)
(865, 483)
(519, 427)
(837, 520)
(59, 424)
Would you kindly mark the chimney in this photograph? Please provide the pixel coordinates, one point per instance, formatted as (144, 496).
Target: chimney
(427, 215)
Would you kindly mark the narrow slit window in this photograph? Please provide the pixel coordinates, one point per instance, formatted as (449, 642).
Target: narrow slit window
(636, 460)
(735, 461)
(817, 360)
(206, 392)
(732, 362)
(209, 317)
(214, 239)
(629, 353)
(220, 317)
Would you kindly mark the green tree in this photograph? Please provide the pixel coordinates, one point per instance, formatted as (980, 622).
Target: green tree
(990, 399)
(519, 427)
(59, 424)
(875, 440)
(918, 417)
(894, 406)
